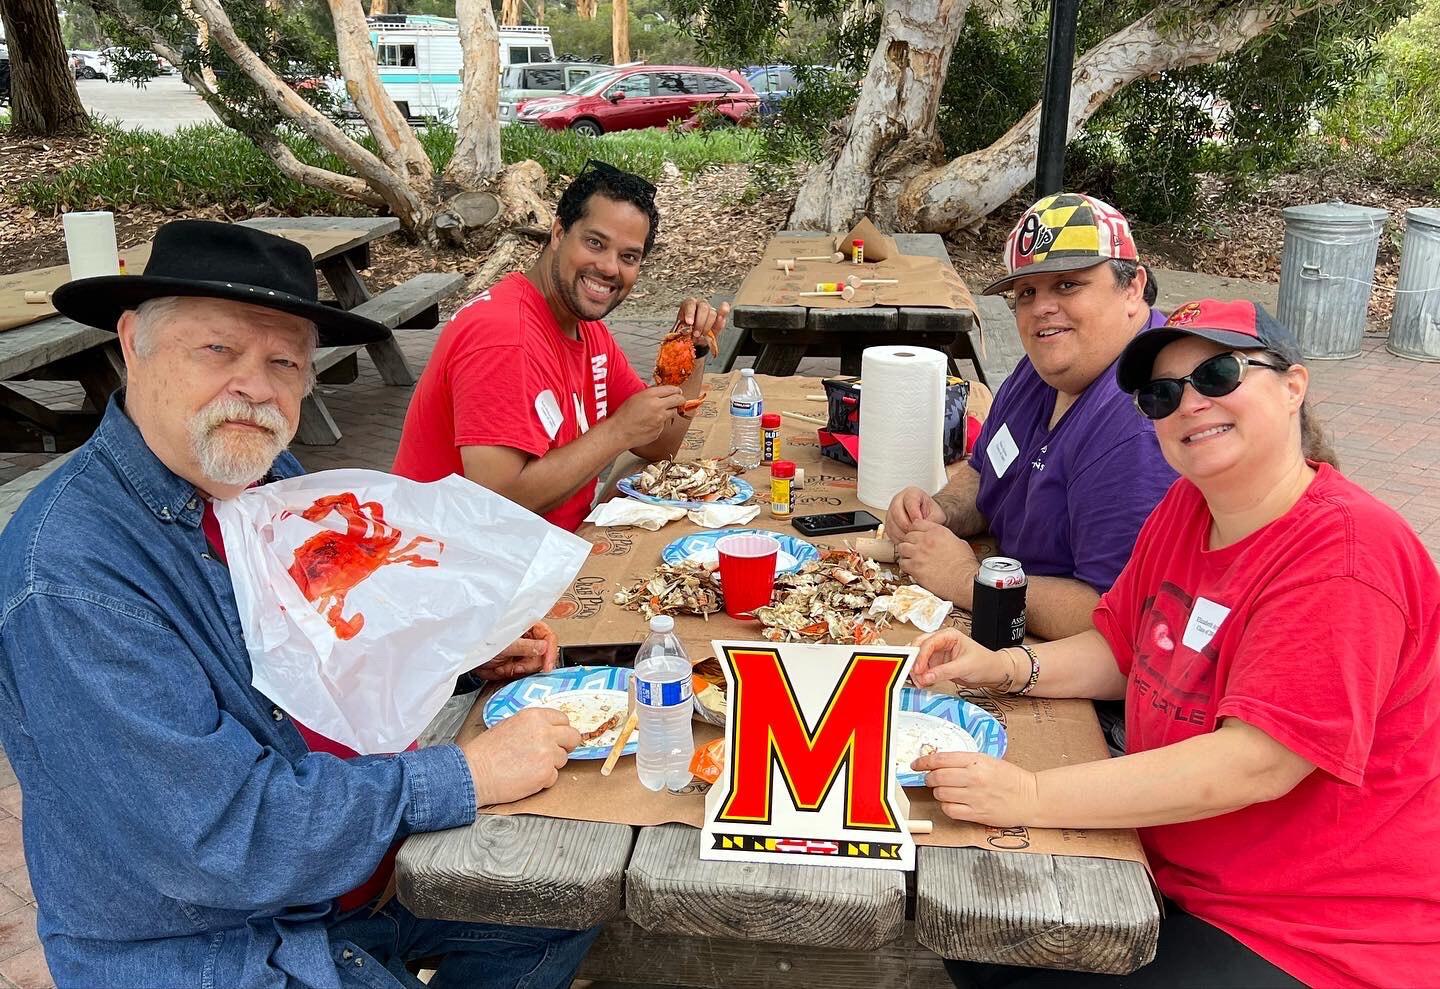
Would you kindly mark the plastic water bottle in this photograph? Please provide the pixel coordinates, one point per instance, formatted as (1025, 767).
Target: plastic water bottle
(746, 407)
(663, 705)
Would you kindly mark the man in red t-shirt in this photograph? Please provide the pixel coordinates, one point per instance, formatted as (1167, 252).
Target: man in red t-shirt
(527, 392)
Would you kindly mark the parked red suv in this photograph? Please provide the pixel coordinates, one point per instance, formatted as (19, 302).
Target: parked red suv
(641, 96)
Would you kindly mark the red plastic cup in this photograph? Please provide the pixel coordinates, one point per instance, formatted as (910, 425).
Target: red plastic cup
(747, 572)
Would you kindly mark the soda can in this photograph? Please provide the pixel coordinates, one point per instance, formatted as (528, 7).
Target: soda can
(998, 616)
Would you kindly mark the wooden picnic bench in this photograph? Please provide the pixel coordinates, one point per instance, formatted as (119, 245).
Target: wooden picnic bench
(779, 337)
(673, 919)
(59, 349)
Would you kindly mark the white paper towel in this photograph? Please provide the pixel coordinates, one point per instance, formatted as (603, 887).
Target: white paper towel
(902, 420)
(90, 243)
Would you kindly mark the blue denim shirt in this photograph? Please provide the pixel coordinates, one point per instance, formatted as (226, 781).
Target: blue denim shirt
(178, 831)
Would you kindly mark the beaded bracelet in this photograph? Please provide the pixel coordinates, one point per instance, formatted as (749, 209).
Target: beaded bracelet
(1034, 671)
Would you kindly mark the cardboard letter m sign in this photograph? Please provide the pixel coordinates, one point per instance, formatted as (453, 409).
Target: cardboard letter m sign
(808, 775)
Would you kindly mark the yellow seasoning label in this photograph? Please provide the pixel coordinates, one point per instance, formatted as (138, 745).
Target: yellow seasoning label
(830, 286)
(780, 496)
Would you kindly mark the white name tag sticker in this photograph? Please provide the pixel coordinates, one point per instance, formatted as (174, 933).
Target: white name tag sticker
(548, 409)
(1002, 450)
(1206, 617)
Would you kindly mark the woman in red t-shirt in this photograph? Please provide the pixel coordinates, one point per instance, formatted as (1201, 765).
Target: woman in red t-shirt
(1274, 638)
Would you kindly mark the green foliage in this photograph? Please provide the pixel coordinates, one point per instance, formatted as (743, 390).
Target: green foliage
(1390, 121)
(210, 165)
(654, 37)
(80, 27)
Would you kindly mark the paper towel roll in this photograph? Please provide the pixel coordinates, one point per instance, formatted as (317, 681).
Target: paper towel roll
(90, 243)
(902, 420)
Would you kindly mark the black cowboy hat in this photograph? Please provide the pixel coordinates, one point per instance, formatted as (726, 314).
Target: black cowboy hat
(206, 259)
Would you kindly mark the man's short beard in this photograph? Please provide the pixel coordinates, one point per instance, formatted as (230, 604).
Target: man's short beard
(571, 293)
(240, 458)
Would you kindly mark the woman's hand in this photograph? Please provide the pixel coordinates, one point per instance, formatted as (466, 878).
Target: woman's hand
(950, 654)
(971, 786)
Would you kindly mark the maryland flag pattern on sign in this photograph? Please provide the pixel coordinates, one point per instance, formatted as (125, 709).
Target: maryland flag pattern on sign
(1069, 225)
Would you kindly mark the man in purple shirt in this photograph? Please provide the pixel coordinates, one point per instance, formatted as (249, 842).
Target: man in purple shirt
(1065, 470)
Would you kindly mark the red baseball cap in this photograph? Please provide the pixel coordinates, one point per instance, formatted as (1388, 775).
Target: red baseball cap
(1242, 325)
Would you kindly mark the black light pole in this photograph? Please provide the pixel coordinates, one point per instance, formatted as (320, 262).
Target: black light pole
(1055, 101)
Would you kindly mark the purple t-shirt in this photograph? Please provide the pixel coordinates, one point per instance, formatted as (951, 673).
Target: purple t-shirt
(1068, 501)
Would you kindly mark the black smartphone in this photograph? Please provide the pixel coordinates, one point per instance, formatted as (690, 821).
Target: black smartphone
(608, 654)
(829, 525)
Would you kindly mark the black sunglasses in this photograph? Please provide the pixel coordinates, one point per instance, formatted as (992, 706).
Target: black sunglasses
(1212, 377)
(605, 168)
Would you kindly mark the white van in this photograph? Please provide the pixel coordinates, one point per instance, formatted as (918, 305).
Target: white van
(420, 59)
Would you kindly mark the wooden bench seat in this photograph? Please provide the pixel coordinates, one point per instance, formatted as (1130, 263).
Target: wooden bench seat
(14, 491)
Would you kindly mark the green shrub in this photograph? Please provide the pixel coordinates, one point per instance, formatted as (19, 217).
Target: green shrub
(210, 165)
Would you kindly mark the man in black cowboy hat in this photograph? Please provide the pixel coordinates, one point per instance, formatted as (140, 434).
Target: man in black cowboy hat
(178, 830)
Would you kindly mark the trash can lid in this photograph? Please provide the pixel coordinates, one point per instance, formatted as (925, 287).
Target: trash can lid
(1426, 216)
(1336, 215)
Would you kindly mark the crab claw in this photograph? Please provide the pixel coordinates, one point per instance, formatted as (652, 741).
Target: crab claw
(693, 404)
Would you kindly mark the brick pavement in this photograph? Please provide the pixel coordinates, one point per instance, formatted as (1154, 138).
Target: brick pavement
(1383, 412)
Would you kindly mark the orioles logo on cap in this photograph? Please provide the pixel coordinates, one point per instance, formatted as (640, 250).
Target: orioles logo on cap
(1033, 236)
(1185, 315)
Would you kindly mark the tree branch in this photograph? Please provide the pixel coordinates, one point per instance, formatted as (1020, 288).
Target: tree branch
(390, 186)
(278, 151)
(971, 186)
(399, 147)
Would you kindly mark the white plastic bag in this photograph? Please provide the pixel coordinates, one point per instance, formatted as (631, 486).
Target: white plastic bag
(436, 579)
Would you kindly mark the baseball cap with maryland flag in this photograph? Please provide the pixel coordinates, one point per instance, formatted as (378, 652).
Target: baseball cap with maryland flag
(1065, 232)
(1240, 325)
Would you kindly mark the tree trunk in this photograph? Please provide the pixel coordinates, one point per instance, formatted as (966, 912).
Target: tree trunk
(964, 191)
(524, 216)
(539, 11)
(477, 140)
(892, 129)
(509, 12)
(620, 32)
(43, 98)
(586, 9)
(202, 41)
(378, 7)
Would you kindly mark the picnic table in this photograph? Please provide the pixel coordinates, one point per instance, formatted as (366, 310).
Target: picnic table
(671, 918)
(56, 348)
(779, 337)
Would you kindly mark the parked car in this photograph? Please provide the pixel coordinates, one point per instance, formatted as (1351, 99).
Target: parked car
(148, 60)
(773, 83)
(519, 83)
(90, 65)
(634, 97)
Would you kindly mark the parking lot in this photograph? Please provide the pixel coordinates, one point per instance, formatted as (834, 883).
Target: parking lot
(164, 104)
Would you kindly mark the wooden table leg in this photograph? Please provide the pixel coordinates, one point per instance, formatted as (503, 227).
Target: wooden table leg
(101, 374)
(779, 359)
(343, 277)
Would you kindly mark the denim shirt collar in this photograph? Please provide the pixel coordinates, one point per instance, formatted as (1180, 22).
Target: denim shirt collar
(168, 495)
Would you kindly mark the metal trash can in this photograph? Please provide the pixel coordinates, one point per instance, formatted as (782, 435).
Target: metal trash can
(1326, 268)
(1415, 324)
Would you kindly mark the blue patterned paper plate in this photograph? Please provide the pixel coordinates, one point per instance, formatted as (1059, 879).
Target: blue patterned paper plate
(743, 493)
(988, 733)
(798, 551)
(520, 694)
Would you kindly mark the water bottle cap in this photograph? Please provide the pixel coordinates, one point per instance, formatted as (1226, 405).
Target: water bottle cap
(747, 372)
(662, 624)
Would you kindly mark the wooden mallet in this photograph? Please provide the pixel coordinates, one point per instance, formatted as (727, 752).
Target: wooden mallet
(836, 256)
(848, 292)
(786, 265)
(857, 281)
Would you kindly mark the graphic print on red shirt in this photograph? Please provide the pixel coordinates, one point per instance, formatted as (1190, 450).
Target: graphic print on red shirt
(1321, 630)
(503, 373)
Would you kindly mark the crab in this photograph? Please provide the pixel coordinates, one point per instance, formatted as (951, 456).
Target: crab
(675, 360)
(673, 587)
(829, 600)
(693, 480)
(330, 564)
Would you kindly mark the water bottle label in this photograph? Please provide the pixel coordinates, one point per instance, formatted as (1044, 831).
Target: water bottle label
(662, 694)
(747, 409)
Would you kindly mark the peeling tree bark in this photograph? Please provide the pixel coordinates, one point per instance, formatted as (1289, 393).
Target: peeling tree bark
(477, 142)
(399, 147)
(378, 7)
(620, 31)
(509, 12)
(967, 189)
(891, 133)
(586, 9)
(43, 98)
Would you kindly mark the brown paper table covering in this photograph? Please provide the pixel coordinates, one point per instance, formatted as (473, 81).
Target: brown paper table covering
(16, 312)
(923, 281)
(1043, 733)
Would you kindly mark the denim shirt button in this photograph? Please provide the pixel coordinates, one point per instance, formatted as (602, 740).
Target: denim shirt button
(192, 504)
(346, 955)
(165, 513)
(277, 714)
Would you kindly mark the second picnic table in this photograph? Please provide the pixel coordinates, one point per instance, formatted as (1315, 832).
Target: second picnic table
(671, 918)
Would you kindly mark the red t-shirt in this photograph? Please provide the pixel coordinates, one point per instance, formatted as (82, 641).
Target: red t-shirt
(1320, 630)
(503, 373)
